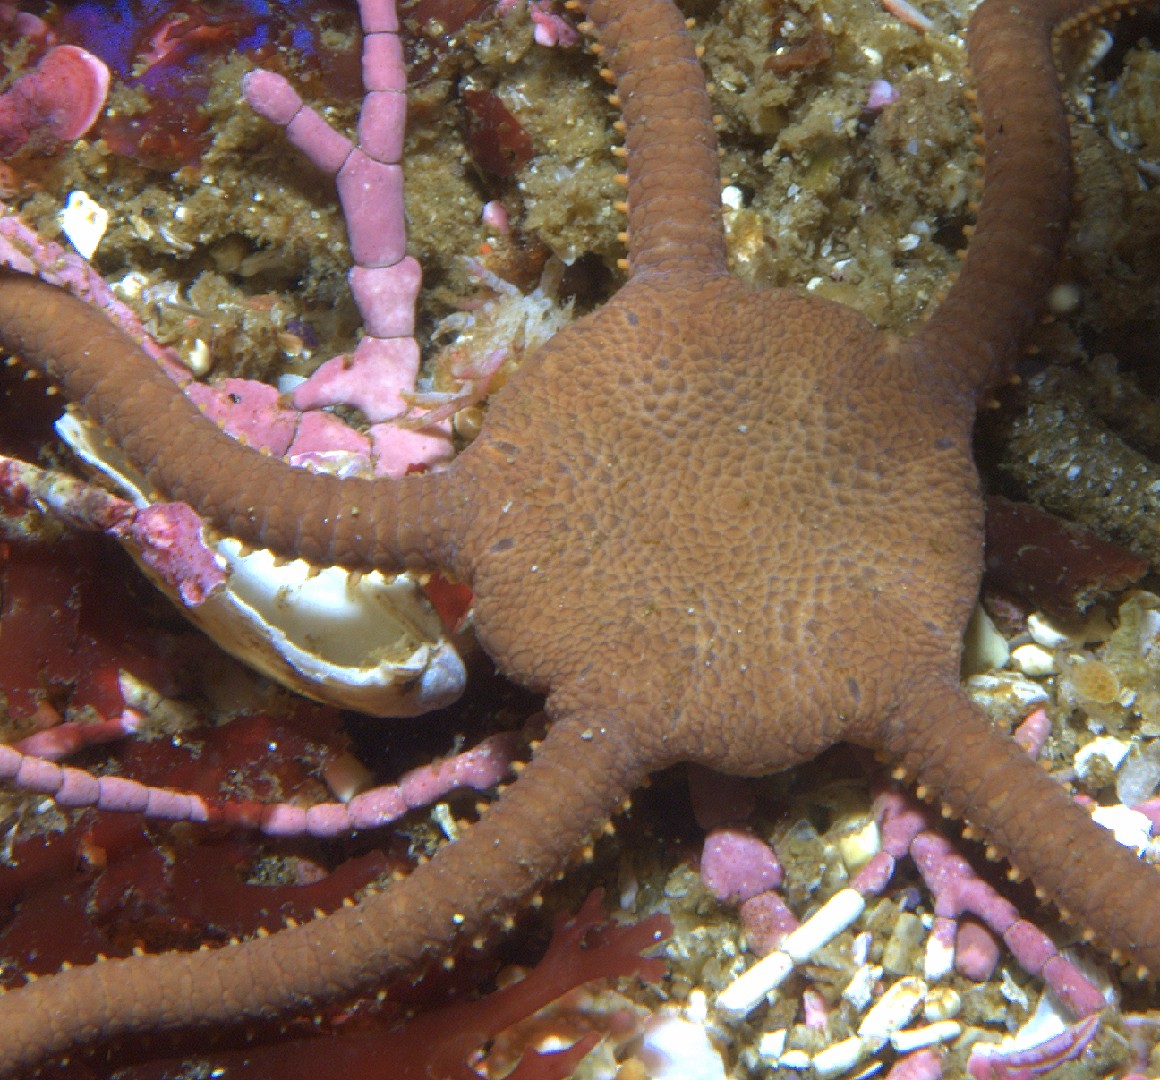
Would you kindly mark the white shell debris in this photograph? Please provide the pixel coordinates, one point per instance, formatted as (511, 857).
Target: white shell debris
(84, 221)
(372, 644)
(840, 1057)
(1047, 1020)
(1053, 634)
(676, 1049)
(1045, 632)
(860, 953)
(931, 1035)
(771, 1046)
(859, 991)
(942, 1003)
(984, 648)
(1106, 746)
(835, 915)
(696, 1009)
(894, 1009)
(1007, 688)
(883, 1023)
(369, 642)
(858, 848)
(1128, 826)
(1034, 660)
(939, 959)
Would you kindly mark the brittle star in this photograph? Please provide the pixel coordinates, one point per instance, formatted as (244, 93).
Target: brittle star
(703, 520)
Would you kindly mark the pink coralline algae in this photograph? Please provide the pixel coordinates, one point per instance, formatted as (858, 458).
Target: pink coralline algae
(168, 535)
(986, 1063)
(551, 29)
(377, 377)
(54, 104)
(380, 375)
(737, 866)
(480, 768)
(958, 890)
(24, 24)
(921, 1065)
(385, 284)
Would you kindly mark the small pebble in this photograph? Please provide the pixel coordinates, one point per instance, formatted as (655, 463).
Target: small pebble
(1005, 688)
(1139, 776)
(771, 1046)
(1034, 660)
(942, 1003)
(1110, 749)
(859, 991)
(894, 1009)
(858, 848)
(931, 1035)
(674, 1049)
(1129, 827)
(84, 221)
(839, 1058)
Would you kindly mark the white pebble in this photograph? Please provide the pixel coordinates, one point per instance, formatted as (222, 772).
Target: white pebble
(1034, 660)
(771, 1046)
(858, 848)
(674, 1049)
(824, 925)
(743, 994)
(732, 197)
(840, 1058)
(1128, 826)
(939, 959)
(931, 1035)
(697, 1007)
(894, 1009)
(83, 221)
(942, 1003)
(1105, 746)
(860, 989)
(198, 358)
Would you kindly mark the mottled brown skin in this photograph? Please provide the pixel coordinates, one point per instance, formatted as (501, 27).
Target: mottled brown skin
(715, 525)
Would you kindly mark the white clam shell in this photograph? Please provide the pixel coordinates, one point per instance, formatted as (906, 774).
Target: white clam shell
(370, 642)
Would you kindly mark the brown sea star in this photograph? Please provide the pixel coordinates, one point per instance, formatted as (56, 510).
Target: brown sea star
(715, 525)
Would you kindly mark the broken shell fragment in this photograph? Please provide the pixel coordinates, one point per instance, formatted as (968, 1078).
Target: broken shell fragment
(370, 642)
